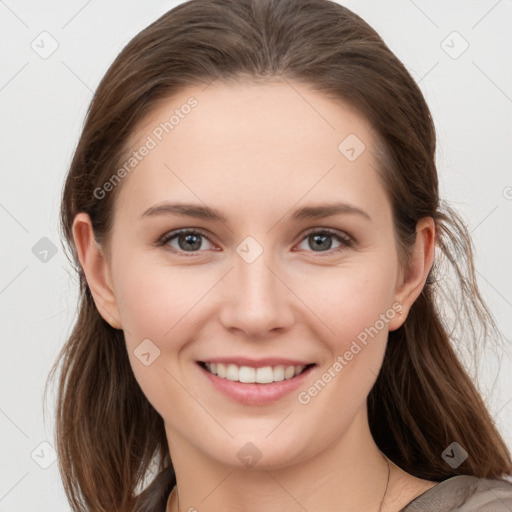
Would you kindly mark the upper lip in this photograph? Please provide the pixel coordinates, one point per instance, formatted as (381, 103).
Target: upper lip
(256, 363)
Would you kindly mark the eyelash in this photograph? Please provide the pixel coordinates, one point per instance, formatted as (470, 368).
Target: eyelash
(345, 240)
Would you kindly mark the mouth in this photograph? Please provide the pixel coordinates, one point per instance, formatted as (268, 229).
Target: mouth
(256, 383)
(254, 375)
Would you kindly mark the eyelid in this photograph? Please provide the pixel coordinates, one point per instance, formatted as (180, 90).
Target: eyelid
(330, 231)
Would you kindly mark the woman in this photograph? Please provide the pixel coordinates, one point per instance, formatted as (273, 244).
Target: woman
(253, 211)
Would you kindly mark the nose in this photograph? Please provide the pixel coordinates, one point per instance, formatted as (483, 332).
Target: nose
(258, 301)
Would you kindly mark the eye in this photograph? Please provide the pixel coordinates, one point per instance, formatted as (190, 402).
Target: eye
(321, 240)
(185, 240)
(194, 241)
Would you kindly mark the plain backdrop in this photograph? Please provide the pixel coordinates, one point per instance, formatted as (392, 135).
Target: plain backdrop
(53, 56)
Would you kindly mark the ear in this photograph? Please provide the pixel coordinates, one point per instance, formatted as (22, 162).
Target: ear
(96, 268)
(412, 280)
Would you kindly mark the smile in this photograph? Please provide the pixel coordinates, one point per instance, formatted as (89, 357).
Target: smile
(251, 375)
(256, 382)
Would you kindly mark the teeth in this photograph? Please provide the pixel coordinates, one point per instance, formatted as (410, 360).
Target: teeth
(249, 375)
(231, 372)
(289, 372)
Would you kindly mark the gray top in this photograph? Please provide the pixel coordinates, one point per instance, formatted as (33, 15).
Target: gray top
(461, 493)
(464, 493)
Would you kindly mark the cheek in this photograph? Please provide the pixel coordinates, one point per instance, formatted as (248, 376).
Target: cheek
(348, 301)
(160, 304)
(357, 306)
(155, 300)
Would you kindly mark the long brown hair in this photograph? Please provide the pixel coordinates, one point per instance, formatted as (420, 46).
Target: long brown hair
(108, 436)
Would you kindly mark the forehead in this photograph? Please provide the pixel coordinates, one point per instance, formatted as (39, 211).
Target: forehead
(278, 141)
(252, 112)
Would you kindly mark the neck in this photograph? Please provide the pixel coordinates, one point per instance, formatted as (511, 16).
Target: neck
(350, 475)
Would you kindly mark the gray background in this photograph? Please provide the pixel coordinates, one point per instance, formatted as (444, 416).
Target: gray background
(43, 104)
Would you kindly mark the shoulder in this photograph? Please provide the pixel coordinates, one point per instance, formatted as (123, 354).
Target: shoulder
(464, 493)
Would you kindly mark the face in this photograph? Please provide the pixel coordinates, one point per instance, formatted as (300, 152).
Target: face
(253, 272)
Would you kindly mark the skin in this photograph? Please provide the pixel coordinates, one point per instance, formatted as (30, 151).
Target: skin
(257, 152)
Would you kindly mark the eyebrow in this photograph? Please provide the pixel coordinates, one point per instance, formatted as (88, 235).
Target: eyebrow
(209, 213)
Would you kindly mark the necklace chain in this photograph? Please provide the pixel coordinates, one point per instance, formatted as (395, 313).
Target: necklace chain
(381, 502)
(387, 483)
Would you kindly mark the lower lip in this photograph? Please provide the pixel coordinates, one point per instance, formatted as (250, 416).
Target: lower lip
(256, 394)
